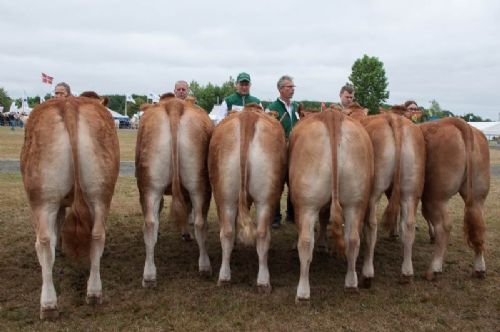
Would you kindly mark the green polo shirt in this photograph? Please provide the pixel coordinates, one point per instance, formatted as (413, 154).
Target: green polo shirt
(240, 100)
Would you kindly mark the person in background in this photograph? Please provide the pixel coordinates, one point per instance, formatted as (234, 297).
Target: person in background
(62, 90)
(288, 116)
(411, 109)
(181, 89)
(236, 101)
(346, 96)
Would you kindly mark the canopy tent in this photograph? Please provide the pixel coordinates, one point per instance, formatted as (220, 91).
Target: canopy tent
(489, 129)
(22, 110)
(117, 115)
(123, 119)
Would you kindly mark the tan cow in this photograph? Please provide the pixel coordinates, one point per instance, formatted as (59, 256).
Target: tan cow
(247, 163)
(399, 161)
(457, 161)
(330, 165)
(171, 158)
(70, 158)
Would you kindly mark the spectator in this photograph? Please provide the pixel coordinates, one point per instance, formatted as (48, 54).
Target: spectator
(411, 110)
(62, 90)
(288, 116)
(346, 96)
(237, 100)
(181, 89)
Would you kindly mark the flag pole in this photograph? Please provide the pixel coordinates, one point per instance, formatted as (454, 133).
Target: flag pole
(125, 105)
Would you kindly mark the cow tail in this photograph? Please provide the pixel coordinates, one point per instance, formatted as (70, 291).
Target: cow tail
(333, 122)
(179, 208)
(78, 224)
(474, 227)
(247, 229)
(391, 213)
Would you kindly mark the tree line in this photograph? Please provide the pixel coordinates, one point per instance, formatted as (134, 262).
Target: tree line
(367, 77)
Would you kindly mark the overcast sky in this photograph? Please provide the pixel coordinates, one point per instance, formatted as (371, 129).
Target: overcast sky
(447, 50)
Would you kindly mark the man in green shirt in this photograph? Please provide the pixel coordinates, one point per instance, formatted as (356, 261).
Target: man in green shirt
(237, 100)
(288, 116)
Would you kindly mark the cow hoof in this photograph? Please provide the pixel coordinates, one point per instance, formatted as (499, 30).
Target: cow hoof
(351, 290)
(431, 275)
(406, 279)
(49, 313)
(187, 237)
(149, 283)
(302, 300)
(264, 289)
(94, 299)
(365, 282)
(479, 274)
(205, 272)
(224, 283)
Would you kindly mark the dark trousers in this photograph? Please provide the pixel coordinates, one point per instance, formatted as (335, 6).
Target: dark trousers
(289, 209)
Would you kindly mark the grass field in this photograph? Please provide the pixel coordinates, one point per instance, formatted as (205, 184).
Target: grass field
(184, 301)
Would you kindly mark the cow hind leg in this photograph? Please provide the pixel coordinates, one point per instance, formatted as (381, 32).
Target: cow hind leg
(227, 216)
(474, 228)
(436, 213)
(94, 285)
(353, 220)
(408, 214)
(370, 234)
(305, 221)
(200, 233)
(46, 239)
(151, 209)
(262, 243)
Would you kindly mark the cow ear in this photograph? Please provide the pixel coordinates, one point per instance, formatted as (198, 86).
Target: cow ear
(104, 101)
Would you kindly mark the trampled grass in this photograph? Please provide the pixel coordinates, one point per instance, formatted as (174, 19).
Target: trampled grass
(184, 301)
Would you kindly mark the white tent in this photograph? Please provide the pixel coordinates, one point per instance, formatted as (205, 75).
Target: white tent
(489, 129)
(117, 115)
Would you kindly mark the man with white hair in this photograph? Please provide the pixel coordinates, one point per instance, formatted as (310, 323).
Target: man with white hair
(181, 89)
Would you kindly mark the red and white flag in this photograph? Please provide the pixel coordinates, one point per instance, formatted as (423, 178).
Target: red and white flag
(46, 78)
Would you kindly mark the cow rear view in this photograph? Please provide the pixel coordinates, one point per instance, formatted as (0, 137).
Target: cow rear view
(171, 158)
(330, 167)
(247, 164)
(457, 161)
(70, 158)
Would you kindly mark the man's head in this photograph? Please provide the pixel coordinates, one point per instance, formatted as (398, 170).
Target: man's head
(62, 90)
(181, 89)
(286, 87)
(411, 106)
(243, 83)
(346, 95)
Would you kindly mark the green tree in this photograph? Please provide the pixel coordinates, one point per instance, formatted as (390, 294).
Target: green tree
(209, 95)
(5, 100)
(370, 83)
(435, 111)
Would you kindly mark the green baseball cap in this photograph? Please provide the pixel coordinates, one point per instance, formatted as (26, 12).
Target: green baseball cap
(243, 77)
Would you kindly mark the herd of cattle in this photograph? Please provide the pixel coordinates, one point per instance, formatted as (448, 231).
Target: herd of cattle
(337, 165)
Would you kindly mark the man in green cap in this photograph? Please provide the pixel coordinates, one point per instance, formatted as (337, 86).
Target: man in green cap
(288, 116)
(237, 100)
